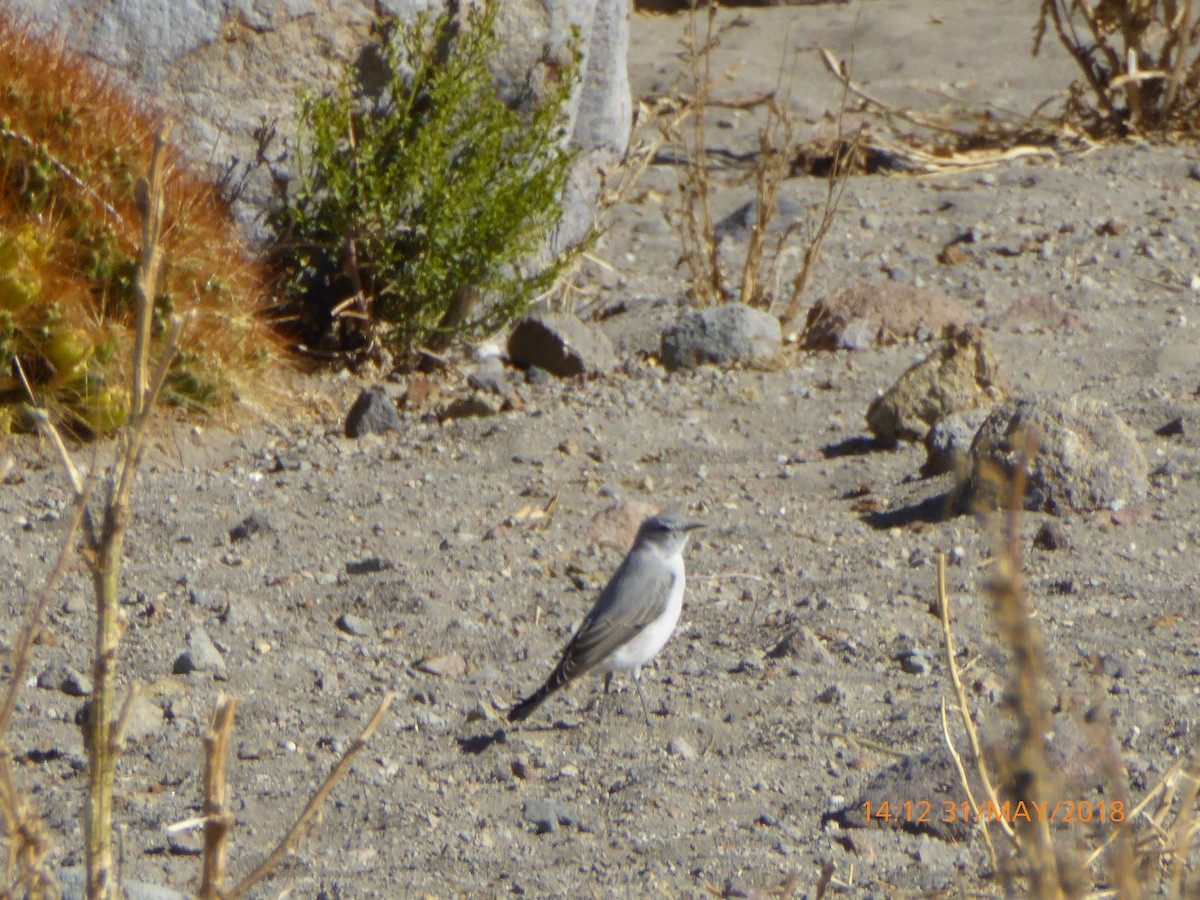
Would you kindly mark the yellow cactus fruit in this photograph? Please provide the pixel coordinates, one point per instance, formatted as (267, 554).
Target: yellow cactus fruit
(10, 254)
(17, 292)
(104, 409)
(69, 350)
(23, 246)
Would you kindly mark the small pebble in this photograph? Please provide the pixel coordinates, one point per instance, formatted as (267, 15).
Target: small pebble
(1051, 536)
(678, 746)
(915, 662)
(445, 665)
(201, 655)
(355, 626)
(249, 527)
(545, 815)
(367, 566)
(59, 677)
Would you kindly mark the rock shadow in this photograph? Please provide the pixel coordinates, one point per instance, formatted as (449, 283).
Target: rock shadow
(859, 445)
(475, 744)
(930, 511)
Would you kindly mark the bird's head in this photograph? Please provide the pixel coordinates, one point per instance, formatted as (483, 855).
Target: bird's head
(666, 532)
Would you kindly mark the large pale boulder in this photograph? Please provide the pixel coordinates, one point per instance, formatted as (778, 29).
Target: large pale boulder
(1079, 455)
(229, 70)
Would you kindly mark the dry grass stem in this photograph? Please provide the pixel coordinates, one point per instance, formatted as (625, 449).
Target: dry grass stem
(839, 176)
(964, 710)
(966, 138)
(26, 839)
(105, 554)
(48, 430)
(772, 164)
(1122, 870)
(1164, 786)
(1184, 830)
(314, 804)
(965, 781)
(217, 820)
(150, 206)
(1027, 775)
(707, 281)
(122, 722)
(835, 187)
(23, 651)
(775, 141)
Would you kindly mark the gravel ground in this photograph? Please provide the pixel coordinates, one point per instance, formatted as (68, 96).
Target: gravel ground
(449, 562)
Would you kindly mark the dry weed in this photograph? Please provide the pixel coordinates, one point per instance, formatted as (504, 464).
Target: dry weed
(1146, 845)
(1140, 61)
(686, 127)
(104, 527)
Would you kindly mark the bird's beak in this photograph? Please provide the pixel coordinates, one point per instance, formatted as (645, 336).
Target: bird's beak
(692, 526)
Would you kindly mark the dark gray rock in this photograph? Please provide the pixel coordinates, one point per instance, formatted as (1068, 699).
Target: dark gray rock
(201, 655)
(250, 526)
(739, 223)
(537, 376)
(64, 678)
(561, 344)
(831, 694)
(948, 443)
(546, 815)
(1051, 536)
(914, 662)
(373, 412)
(368, 565)
(1084, 456)
(189, 842)
(1166, 474)
(1173, 428)
(732, 332)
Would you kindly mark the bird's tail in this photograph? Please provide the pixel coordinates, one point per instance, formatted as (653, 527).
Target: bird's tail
(525, 708)
(559, 678)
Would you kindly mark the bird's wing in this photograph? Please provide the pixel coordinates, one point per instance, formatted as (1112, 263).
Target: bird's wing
(634, 597)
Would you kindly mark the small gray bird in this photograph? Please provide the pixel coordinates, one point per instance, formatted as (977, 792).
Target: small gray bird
(633, 617)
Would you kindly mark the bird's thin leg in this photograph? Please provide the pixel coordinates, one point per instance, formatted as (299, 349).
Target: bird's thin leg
(637, 683)
(608, 676)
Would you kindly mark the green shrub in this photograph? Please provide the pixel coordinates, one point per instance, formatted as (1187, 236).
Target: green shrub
(417, 198)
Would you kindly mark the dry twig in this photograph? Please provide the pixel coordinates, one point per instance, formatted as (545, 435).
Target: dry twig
(314, 804)
(217, 820)
(960, 696)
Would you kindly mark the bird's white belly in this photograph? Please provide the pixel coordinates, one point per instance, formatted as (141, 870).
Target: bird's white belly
(645, 645)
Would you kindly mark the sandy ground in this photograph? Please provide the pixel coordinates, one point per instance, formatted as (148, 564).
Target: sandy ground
(752, 745)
